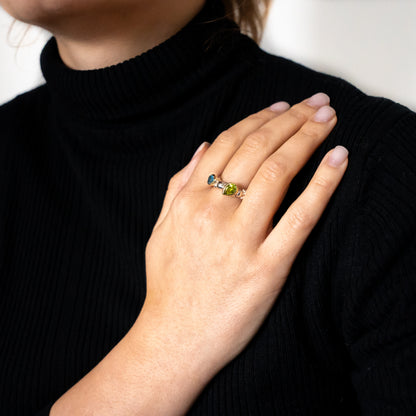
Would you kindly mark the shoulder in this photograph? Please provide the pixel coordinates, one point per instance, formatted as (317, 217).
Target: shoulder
(22, 111)
(377, 196)
(296, 81)
(362, 118)
(371, 128)
(23, 122)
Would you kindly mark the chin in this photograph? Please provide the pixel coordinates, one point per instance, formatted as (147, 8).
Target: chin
(46, 12)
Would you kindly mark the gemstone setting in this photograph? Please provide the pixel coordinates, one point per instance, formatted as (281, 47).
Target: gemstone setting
(211, 179)
(230, 189)
(240, 194)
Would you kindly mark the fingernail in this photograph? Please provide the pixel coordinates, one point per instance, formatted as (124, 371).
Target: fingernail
(318, 100)
(280, 106)
(338, 156)
(324, 114)
(199, 150)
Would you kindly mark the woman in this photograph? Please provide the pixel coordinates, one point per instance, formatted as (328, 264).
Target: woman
(284, 300)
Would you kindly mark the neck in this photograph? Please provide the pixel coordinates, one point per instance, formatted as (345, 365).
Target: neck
(86, 42)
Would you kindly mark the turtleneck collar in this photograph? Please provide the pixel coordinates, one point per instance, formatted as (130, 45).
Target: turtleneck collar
(151, 82)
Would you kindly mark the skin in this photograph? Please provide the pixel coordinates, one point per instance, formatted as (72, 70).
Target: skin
(93, 34)
(213, 287)
(198, 303)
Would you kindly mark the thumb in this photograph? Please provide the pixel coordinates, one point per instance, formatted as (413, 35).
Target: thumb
(179, 180)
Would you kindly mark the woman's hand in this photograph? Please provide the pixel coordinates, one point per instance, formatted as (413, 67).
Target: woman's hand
(214, 263)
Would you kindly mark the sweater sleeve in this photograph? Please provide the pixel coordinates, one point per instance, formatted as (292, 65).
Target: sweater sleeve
(46, 410)
(379, 310)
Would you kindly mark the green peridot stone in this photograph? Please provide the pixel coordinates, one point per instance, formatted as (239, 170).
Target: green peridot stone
(230, 189)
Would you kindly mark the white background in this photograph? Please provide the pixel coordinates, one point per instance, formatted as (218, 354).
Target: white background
(371, 43)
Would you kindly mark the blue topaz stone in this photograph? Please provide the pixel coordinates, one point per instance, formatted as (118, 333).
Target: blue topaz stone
(211, 179)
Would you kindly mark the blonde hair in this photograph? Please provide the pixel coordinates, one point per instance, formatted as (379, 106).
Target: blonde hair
(250, 15)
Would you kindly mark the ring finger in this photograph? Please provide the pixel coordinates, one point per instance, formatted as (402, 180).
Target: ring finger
(227, 143)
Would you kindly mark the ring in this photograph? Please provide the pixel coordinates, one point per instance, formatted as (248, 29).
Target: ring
(228, 188)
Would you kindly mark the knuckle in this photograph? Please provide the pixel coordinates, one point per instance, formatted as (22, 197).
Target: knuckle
(297, 113)
(322, 183)
(255, 141)
(261, 116)
(174, 182)
(300, 219)
(192, 212)
(148, 247)
(273, 169)
(226, 138)
(182, 209)
(180, 204)
(205, 217)
(207, 212)
(311, 134)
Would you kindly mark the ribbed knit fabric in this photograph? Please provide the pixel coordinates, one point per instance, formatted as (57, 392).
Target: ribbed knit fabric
(84, 165)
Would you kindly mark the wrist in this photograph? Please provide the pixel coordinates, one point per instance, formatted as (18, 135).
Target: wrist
(151, 371)
(180, 352)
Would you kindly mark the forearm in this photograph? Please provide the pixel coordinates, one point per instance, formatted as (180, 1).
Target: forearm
(146, 373)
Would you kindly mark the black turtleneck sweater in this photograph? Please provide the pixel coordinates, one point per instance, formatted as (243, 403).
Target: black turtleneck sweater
(84, 165)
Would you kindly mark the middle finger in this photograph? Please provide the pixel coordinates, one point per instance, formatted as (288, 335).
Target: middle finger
(263, 142)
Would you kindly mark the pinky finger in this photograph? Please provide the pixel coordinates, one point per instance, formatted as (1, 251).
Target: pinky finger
(283, 244)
